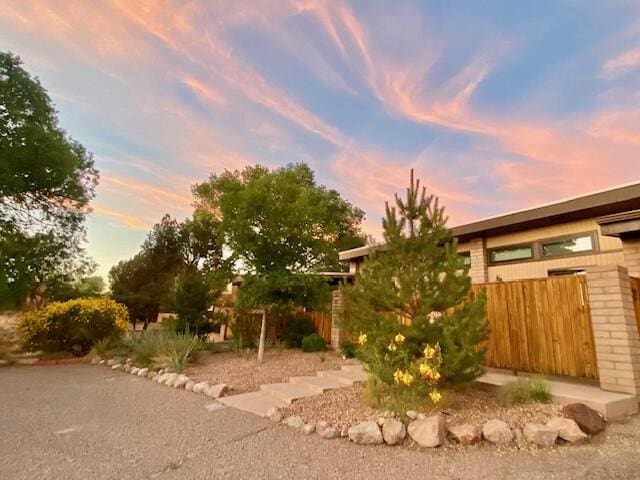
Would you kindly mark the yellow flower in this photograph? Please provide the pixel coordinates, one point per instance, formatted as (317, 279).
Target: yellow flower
(429, 352)
(397, 376)
(362, 339)
(435, 396)
(407, 379)
(399, 339)
(392, 347)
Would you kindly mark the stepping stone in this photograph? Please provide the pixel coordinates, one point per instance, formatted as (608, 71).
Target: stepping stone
(357, 367)
(317, 384)
(345, 377)
(258, 403)
(287, 392)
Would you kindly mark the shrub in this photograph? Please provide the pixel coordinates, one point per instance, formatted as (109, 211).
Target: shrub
(73, 326)
(532, 390)
(295, 329)
(313, 343)
(348, 349)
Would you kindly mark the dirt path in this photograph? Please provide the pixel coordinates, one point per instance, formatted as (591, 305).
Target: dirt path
(82, 422)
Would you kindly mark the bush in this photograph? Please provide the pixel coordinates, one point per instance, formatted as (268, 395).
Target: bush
(532, 390)
(295, 329)
(74, 326)
(348, 349)
(313, 343)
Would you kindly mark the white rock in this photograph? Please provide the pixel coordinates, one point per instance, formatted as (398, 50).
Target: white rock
(170, 378)
(429, 432)
(412, 414)
(366, 433)
(294, 422)
(152, 374)
(180, 381)
(497, 431)
(101, 362)
(308, 429)
(95, 360)
(540, 435)
(189, 385)
(393, 431)
(216, 391)
(327, 431)
(200, 387)
(134, 370)
(111, 362)
(465, 434)
(117, 366)
(143, 372)
(274, 415)
(381, 421)
(568, 430)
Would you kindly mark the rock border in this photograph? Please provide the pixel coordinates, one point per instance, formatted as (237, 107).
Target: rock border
(164, 377)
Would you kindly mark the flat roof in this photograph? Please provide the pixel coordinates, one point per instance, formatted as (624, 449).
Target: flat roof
(611, 201)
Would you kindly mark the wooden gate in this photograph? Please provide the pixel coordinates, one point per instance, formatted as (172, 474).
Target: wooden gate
(635, 292)
(541, 325)
(322, 324)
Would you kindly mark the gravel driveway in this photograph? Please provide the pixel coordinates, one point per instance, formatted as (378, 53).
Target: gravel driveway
(83, 422)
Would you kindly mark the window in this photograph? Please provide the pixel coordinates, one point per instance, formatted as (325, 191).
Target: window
(566, 271)
(511, 254)
(568, 245)
(466, 257)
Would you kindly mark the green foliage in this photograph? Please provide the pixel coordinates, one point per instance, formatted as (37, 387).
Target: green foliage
(192, 302)
(348, 349)
(534, 389)
(73, 326)
(295, 329)
(418, 278)
(84, 287)
(46, 182)
(313, 343)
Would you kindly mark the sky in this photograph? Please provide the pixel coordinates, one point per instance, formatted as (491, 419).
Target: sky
(497, 105)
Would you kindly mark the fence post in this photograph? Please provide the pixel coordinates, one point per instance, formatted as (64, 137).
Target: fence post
(337, 307)
(614, 329)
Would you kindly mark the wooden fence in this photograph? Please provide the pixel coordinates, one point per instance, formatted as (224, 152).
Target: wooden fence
(322, 324)
(635, 292)
(541, 325)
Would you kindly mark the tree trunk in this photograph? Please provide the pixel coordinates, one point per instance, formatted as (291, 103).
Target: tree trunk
(263, 334)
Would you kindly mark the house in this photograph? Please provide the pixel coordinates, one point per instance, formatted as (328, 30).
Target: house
(560, 238)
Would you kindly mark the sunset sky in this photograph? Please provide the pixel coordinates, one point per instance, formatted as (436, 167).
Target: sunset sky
(498, 105)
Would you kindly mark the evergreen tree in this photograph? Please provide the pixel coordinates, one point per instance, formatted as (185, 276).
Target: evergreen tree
(414, 294)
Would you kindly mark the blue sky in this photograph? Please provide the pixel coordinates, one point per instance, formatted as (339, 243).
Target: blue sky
(497, 105)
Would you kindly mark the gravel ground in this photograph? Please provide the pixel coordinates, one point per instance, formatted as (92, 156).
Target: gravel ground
(346, 406)
(242, 372)
(86, 422)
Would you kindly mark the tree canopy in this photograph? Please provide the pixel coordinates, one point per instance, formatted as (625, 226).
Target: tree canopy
(47, 180)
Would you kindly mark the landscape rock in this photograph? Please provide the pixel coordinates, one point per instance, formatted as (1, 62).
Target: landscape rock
(309, 428)
(180, 381)
(117, 366)
(274, 415)
(215, 391)
(381, 421)
(519, 438)
(294, 422)
(429, 432)
(497, 431)
(189, 385)
(344, 433)
(200, 387)
(589, 421)
(568, 430)
(466, 434)
(133, 370)
(366, 433)
(412, 414)
(393, 431)
(325, 430)
(161, 377)
(540, 435)
(151, 374)
(169, 379)
(101, 362)
(111, 362)
(95, 360)
(143, 372)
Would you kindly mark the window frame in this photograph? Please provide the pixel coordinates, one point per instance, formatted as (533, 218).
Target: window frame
(514, 246)
(467, 255)
(591, 234)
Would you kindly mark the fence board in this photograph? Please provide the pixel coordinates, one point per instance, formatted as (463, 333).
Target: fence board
(322, 324)
(541, 325)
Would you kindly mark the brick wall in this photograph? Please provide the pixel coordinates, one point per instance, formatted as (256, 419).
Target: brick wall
(614, 329)
(631, 248)
(479, 265)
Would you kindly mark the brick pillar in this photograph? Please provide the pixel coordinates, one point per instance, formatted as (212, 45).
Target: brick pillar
(631, 248)
(614, 329)
(337, 307)
(478, 272)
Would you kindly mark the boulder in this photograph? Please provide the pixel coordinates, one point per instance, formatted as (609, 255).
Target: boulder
(170, 378)
(325, 430)
(95, 360)
(308, 429)
(101, 362)
(465, 434)
(200, 387)
(540, 435)
(180, 381)
(381, 421)
(429, 432)
(189, 385)
(274, 415)
(152, 374)
(393, 431)
(366, 433)
(589, 421)
(117, 366)
(133, 370)
(143, 372)
(111, 362)
(294, 422)
(215, 391)
(161, 378)
(412, 414)
(497, 431)
(568, 430)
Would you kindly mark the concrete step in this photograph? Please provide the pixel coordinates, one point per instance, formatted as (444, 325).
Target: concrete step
(287, 392)
(258, 403)
(343, 376)
(317, 384)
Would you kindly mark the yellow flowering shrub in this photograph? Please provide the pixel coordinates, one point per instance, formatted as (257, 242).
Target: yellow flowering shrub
(73, 326)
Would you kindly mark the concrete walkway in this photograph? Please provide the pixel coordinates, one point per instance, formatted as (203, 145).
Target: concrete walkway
(279, 395)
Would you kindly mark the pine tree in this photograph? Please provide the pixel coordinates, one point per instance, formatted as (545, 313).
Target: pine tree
(416, 288)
